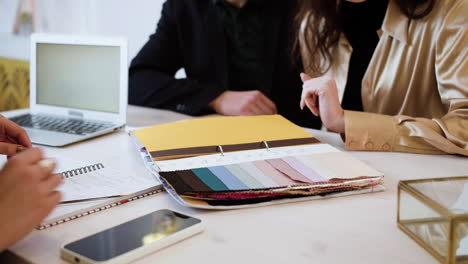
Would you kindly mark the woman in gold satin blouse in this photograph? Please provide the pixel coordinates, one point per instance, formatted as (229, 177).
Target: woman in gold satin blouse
(412, 85)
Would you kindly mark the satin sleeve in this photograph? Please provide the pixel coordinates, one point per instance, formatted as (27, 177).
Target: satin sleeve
(446, 134)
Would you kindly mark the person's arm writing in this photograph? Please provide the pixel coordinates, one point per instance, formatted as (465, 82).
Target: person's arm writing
(27, 195)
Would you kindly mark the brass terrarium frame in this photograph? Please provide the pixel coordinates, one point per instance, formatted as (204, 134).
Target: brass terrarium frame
(446, 216)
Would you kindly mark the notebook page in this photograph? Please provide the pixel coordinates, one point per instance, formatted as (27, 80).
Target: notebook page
(99, 183)
(103, 182)
(65, 164)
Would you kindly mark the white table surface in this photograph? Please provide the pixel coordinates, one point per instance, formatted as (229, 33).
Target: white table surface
(352, 229)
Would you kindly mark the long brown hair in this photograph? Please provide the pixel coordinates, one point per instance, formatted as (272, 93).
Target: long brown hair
(318, 28)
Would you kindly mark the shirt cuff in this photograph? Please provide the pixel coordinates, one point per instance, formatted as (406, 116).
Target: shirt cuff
(369, 131)
(197, 104)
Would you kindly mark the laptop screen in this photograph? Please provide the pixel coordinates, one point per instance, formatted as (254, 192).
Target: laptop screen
(78, 76)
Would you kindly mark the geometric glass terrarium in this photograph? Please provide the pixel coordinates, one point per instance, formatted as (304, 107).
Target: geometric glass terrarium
(434, 212)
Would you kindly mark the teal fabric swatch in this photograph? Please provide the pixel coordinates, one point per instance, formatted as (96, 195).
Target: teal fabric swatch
(208, 178)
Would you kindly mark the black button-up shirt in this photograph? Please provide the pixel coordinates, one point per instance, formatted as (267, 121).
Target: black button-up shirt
(245, 41)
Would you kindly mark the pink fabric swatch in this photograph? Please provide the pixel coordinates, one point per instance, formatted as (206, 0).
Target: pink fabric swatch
(277, 176)
(284, 167)
(303, 169)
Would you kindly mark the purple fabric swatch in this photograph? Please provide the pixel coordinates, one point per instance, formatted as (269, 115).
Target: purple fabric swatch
(304, 169)
(286, 169)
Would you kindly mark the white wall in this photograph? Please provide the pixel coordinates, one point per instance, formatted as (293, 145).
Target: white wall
(7, 15)
(133, 19)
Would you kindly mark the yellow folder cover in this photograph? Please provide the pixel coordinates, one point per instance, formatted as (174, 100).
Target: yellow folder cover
(218, 131)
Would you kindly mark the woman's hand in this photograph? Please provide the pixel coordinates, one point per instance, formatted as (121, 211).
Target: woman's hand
(320, 95)
(13, 138)
(27, 195)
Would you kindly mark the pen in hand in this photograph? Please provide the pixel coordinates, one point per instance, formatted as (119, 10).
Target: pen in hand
(10, 146)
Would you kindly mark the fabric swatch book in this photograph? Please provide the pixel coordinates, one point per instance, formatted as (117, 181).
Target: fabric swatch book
(83, 183)
(235, 162)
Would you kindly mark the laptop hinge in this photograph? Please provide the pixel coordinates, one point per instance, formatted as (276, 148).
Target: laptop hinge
(75, 114)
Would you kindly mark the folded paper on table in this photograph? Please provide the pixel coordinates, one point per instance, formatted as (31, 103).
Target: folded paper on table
(262, 160)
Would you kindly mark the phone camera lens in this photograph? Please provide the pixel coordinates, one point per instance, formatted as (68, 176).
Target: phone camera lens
(77, 260)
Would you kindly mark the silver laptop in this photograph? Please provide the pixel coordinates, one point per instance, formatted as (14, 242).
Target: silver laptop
(78, 88)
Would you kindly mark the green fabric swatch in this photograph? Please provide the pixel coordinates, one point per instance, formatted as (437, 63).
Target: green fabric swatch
(243, 176)
(207, 177)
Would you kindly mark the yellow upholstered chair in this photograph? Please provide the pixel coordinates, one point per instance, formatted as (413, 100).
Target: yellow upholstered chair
(14, 84)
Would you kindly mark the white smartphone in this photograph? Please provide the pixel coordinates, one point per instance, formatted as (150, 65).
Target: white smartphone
(133, 239)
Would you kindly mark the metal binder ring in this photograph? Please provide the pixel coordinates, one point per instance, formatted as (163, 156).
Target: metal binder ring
(221, 150)
(266, 145)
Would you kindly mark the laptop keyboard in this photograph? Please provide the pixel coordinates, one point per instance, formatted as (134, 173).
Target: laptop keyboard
(59, 124)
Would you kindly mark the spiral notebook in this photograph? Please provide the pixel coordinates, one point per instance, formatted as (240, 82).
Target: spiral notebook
(96, 181)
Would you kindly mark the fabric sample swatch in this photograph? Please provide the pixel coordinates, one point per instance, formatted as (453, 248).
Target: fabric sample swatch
(228, 178)
(284, 167)
(251, 169)
(210, 179)
(277, 176)
(246, 178)
(311, 161)
(303, 169)
(193, 181)
(348, 167)
(176, 182)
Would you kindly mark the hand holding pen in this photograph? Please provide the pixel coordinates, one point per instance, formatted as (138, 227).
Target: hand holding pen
(13, 138)
(27, 194)
(27, 184)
